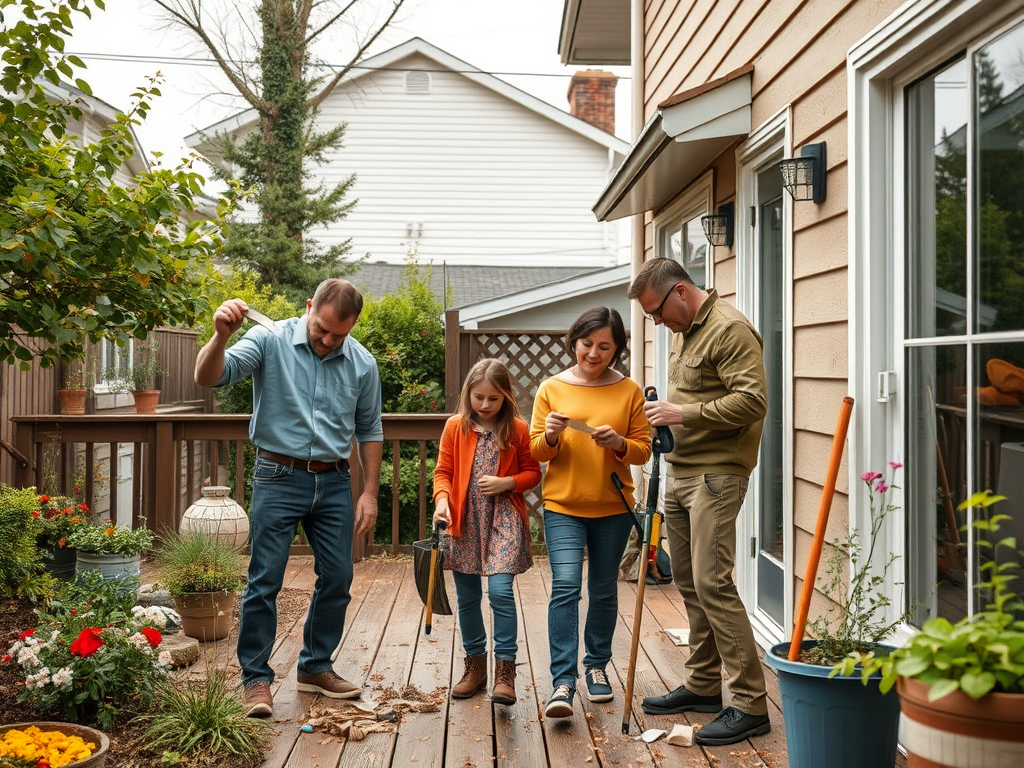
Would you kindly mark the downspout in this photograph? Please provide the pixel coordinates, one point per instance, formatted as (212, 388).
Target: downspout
(637, 321)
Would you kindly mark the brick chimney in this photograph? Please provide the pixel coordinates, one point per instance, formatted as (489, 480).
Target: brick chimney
(592, 98)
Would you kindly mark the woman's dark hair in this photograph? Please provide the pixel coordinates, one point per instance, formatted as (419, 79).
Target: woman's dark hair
(592, 320)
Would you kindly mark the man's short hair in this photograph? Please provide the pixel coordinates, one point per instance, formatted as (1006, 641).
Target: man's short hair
(659, 274)
(339, 294)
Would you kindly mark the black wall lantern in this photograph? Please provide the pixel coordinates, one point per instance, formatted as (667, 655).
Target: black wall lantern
(718, 228)
(804, 176)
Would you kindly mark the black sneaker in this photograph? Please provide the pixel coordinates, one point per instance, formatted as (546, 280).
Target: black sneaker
(732, 726)
(598, 688)
(681, 700)
(560, 703)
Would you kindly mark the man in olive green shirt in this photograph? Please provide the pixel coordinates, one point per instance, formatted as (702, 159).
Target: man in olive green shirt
(715, 407)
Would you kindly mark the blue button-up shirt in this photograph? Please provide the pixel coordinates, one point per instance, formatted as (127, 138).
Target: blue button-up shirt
(303, 406)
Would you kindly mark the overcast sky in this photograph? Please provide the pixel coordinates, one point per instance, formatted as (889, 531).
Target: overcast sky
(502, 38)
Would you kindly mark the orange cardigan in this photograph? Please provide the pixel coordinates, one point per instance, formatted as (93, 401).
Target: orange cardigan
(455, 466)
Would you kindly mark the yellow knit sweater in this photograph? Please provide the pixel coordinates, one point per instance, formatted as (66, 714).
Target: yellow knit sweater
(578, 479)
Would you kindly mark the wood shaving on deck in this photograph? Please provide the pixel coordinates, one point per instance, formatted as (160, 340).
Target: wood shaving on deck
(351, 720)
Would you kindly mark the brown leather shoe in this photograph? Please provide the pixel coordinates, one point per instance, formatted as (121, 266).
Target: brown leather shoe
(328, 684)
(258, 700)
(473, 679)
(504, 681)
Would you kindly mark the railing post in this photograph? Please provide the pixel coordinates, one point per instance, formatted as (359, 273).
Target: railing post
(164, 468)
(452, 355)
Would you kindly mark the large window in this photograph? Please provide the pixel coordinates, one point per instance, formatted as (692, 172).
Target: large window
(963, 343)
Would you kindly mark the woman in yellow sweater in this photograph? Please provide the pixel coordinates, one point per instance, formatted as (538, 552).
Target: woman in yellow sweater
(588, 421)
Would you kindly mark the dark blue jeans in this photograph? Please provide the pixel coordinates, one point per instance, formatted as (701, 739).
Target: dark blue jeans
(281, 499)
(469, 587)
(604, 539)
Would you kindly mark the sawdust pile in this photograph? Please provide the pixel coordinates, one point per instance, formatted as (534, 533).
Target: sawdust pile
(354, 720)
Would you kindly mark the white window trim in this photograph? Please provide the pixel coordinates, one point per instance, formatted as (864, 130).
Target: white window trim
(912, 41)
(697, 199)
(772, 136)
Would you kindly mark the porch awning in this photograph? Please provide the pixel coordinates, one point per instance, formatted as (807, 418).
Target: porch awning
(679, 142)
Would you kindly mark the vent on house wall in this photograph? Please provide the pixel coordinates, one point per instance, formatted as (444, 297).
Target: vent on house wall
(417, 82)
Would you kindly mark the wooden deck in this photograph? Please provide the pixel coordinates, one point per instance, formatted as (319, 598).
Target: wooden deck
(384, 646)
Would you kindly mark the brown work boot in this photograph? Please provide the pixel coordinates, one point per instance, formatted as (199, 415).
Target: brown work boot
(258, 701)
(328, 684)
(473, 679)
(504, 681)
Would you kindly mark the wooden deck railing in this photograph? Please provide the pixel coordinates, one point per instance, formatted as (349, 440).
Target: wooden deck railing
(130, 467)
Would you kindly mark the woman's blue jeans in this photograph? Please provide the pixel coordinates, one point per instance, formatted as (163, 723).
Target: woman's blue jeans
(604, 539)
(282, 498)
(469, 588)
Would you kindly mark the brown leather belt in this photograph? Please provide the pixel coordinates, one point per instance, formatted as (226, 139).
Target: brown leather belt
(304, 464)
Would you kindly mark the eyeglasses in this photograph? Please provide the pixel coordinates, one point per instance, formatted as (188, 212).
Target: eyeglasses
(656, 314)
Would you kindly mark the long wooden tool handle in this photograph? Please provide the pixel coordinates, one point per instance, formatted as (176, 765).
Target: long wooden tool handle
(429, 614)
(838, 443)
(638, 615)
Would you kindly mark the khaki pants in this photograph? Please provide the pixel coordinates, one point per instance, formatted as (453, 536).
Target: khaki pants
(700, 517)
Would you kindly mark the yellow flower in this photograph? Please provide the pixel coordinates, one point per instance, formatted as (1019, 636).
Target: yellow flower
(58, 749)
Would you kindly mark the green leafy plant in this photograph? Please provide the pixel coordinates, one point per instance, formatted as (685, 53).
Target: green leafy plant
(192, 562)
(110, 539)
(202, 718)
(57, 518)
(90, 655)
(22, 572)
(78, 375)
(857, 620)
(980, 653)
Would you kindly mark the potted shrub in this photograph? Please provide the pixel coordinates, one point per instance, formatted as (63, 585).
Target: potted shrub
(961, 686)
(832, 697)
(77, 379)
(204, 575)
(139, 378)
(57, 518)
(111, 549)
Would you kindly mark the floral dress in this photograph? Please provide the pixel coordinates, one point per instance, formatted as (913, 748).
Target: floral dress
(494, 537)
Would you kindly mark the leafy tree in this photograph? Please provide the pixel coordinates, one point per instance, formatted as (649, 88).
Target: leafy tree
(82, 257)
(280, 81)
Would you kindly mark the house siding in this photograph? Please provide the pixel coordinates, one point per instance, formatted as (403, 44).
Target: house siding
(489, 180)
(798, 50)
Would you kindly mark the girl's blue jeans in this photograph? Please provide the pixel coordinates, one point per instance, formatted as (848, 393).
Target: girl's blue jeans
(282, 498)
(604, 539)
(469, 588)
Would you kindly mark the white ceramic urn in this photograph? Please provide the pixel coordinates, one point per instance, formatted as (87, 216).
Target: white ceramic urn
(217, 514)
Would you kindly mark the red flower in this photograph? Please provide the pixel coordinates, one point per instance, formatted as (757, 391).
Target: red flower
(74, 612)
(27, 633)
(87, 642)
(42, 764)
(62, 543)
(43, 499)
(84, 507)
(6, 658)
(152, 635)
(35, 514)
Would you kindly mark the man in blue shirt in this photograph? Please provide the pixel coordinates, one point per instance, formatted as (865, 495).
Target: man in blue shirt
(315, 391)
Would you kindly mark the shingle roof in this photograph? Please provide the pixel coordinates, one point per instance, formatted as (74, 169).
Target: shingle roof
(468, 284)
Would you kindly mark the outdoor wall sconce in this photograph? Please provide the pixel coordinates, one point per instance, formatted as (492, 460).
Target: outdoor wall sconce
(718, 227)
(804, 176)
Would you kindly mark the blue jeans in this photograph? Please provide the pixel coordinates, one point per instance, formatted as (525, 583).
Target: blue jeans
(605, 540)
(282, 498)
(468, 587)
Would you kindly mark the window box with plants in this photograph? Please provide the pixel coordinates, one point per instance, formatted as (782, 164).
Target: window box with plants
(204, 576)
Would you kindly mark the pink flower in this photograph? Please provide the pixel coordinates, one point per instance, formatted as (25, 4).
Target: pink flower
(881, 486)
(870, 477)
(895, 464)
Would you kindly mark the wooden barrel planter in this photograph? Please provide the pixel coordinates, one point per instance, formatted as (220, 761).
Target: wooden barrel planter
(957, 731)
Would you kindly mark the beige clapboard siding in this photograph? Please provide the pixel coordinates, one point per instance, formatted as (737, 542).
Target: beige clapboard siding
(820, 298)
(490, 180)
(822, 399)
(807, 499)
(811, 452)
(819, 351)
(820, 247)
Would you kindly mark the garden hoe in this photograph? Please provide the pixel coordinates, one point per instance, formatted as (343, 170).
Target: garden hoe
(661, 443)
(429, 578)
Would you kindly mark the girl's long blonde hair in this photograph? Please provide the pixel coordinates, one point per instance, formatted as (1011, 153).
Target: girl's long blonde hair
(495, 373)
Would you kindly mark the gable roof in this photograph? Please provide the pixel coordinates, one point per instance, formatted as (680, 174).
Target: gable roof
(391, 58)
(469, 284)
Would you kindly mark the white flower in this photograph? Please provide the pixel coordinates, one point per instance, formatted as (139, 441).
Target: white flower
(139, 640)
(39, 679)
(165, 658)
(63, 678)
(27, 657)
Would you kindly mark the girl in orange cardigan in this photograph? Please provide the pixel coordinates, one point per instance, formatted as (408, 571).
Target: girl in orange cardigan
(483, 468)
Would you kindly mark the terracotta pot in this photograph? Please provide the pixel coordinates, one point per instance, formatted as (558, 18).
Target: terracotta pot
(206, 615)
(146, 400)
(72, 401)
(97, 759)
(957, 731)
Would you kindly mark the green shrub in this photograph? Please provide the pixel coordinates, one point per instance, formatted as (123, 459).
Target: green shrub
(192, 562)
(205, 721)
(22, 572)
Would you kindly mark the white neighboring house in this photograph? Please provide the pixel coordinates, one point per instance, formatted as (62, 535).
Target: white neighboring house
(459, 166)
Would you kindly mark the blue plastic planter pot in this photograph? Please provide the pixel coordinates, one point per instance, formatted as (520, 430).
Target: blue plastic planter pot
(838, 722)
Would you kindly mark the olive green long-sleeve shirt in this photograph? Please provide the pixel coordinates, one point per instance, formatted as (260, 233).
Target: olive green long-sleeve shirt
(716, 373)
